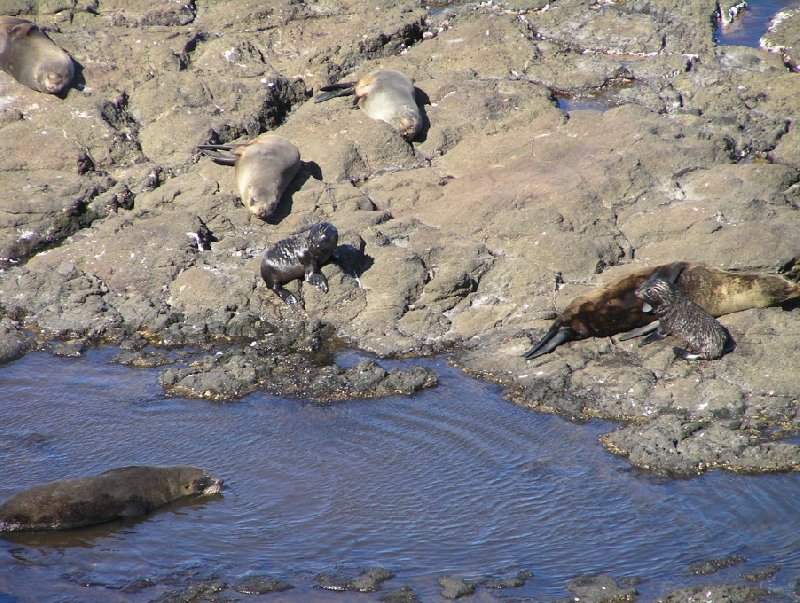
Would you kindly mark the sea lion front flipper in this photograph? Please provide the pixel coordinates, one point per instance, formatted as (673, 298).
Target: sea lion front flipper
(287, 297)
(554, 338)
(318, 280)
(335, 90)
(656, 335)
(638, 332)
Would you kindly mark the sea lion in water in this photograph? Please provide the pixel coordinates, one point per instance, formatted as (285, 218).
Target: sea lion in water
(264, 167)
(33, 59)
(301, 255)
(115, 494)
(677, 314)
(614, 308)
(386, 95)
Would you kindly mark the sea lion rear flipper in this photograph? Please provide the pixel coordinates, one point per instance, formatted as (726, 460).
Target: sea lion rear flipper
(334, 90)
(557, 335)
(681, 353)
(222, 159)
(638, 332)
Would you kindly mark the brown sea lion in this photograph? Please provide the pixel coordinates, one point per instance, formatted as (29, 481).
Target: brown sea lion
(299, 256)
(264, 167)
(678, 315)
(115, 494)
(386, 95)
(614, 307)
(27, 54)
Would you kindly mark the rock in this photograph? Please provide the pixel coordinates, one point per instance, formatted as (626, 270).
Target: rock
(734, 593)
(367, 581)
(260, 585)
(455, 588)
(600, 589)
(711, 566)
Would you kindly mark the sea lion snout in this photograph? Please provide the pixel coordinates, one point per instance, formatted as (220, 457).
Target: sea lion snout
(207, 485)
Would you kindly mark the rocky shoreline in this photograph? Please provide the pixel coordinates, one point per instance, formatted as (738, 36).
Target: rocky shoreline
(114, 228)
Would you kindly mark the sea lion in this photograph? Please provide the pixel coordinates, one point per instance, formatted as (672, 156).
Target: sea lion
(33, 59)
(677, 314)
(614, 308)
(115, 494)
(264, 167)
(298, 256)
(386, 95)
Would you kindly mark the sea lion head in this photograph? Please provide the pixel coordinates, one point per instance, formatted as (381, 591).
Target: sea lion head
(198, 481)
(262, 203)
(407, 122)
(656, 292)
(324, 236)
(55, 77)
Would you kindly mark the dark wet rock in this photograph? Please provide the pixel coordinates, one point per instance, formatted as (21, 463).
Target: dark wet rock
(230, 375)
(515, 581)
(711, 566)
(405, 594)
(367, 581)
(138, 359)
(600, 589)
(730, 593)
(455, 588)
(765, 574)
(68, 349)
(13, 342)
(137, 585)
(207, 590)
(260, 585)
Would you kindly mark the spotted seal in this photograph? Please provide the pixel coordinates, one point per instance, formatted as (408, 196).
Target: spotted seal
(115, 494)
(705, 337)
(33, 59)
(301, 255)
(614, 308)
(386, 95)
(264, 167)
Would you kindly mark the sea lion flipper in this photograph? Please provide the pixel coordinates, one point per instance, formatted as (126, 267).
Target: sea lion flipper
(221, 158)
(656, 335)
(681, 353)
(554, 338)
(638, 332)
(287, 297)
(319, 281)
(335, 90)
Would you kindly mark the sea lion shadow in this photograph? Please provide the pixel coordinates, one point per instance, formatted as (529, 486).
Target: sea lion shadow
(352, 260)
(308, 169)
(85, 537)
(422, 99)
(78, 80)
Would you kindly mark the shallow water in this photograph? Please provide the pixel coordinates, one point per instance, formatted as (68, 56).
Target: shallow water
(751, 24)
(452, 481)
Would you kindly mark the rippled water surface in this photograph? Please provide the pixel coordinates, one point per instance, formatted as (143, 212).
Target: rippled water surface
(452, 481)
(752, 23)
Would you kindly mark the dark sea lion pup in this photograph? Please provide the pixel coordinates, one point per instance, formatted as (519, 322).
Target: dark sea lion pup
(677, 314)
(264, 167)
(299, 256)
(386, 95)
(33, 59)
(115, 494)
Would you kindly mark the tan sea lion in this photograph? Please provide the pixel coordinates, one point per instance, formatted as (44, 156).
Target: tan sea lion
(27, 54)
(264, 167)
(614, 308)
(386, 95)
(705, 337)
(115, 494)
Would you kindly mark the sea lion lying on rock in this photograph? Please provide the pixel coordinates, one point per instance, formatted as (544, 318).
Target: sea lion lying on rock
(301, 255)
(33, 59)
(678, 315)
(115, 494)
(386, 95)
(614, 308)
(264, 167)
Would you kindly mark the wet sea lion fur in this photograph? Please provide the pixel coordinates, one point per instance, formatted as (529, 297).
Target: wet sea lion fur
(115, 494)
